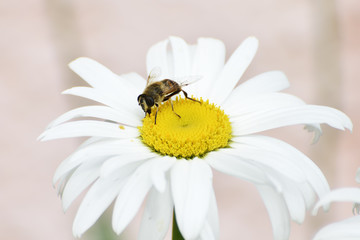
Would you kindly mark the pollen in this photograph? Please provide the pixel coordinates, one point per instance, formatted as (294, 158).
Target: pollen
(201, 128)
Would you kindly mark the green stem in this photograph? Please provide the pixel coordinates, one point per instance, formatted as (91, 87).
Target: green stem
(176, 234)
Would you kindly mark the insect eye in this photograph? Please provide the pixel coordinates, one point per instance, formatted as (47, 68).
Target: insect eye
(138, 98)
(149, 101)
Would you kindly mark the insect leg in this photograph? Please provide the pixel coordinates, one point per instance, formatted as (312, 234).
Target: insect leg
(157, 108)
(170, 95)
(172, 107)
(189, 97)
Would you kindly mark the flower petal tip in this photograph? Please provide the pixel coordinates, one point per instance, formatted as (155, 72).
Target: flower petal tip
(314, 212)
(116, 228)
(173, 37)
(41, 137)
(76, 232)
(252, 37)
(346, 122)
(349, 126)
(79, 60)
(252, 40)
(67, 91)
(325, 207)
(64, 208)
(160, 187)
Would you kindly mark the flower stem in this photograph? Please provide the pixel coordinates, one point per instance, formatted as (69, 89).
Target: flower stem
(176, 235)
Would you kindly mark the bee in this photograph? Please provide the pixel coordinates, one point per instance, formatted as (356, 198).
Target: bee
(157, 92)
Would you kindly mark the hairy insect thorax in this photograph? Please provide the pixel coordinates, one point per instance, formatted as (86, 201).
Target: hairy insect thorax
(159, 89)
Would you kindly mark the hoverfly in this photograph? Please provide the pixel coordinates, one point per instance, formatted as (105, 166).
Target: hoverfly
(157, 92)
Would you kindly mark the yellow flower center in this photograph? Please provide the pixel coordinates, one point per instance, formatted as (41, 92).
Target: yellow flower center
(201, 128)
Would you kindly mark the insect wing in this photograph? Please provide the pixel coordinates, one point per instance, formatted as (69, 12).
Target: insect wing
(154, 75)
(184, 81)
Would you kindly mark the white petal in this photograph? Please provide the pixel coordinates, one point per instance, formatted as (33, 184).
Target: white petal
(278, 212)
(317, 131)
(98, 198)
(339, 195)
(181, 56)
(191, 183)
(157, 215)
(211, 230)
(206, 233)
(94, 73)
(291, 194)
(61, 183)
(112, 165)
(309, 195)
(236, 166)
(58, 173)
(102, 112)
(157, 56)
(233, 70)
(347, 229)
(134, 79)
(247, 100)
(208, 61)
(131, 196)
(83, 176)
(120, 100)
(158, 172)
(89, 128)
(105, 81)
(261, 103)
(295, 203)
(99, 149)
(270, 159)
(267, 82)
(95, 95)
(313, 174)
(307, 114)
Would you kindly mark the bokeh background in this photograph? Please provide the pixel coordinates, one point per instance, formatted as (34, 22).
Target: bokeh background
(315, 42)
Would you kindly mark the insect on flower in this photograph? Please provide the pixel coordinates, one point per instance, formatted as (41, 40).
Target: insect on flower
(157, 92)
(127, 160)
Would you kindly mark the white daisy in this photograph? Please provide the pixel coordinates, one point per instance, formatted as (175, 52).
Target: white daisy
(128, 157)
(347, 229)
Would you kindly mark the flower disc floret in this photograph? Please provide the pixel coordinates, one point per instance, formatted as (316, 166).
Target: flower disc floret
(201, 128)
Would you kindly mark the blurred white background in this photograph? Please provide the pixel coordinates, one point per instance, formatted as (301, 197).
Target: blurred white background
(316, 43)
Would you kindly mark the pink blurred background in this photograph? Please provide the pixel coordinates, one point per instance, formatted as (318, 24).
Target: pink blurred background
(316, 43)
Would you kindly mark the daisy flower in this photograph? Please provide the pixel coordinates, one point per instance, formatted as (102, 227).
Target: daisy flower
(128, 157)
(347, 229)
